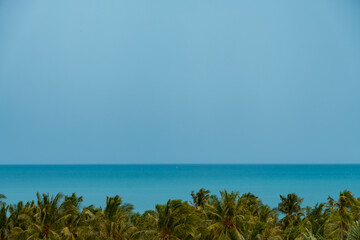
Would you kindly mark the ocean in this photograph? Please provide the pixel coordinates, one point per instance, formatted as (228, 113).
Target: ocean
(144, 186)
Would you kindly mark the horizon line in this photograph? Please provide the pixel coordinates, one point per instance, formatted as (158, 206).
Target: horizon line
(175, 164)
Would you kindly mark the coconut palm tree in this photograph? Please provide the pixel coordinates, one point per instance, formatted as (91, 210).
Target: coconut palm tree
(71, 217)
(267, 217)
(316, 220)
(200, 198)
(22, 217)
(90, 223)
(343, 214)
(114, 220)
(5, 227)
(249, 206)
(354, 231)
(291, 222)
(226, 216)
(47, 217)
(174, 221)
(291, 207)
(309, 236)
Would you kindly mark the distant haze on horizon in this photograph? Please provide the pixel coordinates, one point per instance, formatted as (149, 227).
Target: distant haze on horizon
(166, 81)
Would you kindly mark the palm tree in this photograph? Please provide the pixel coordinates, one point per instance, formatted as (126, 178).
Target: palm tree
(316, 220)
(267, 217)
(22, 217)
(291, 207)
(226, 216)
(354, 231)
(47, 217)
(114, 220)
(5, 227)
(250, 203)
(251, 227)
(90, 224)
(174, 221)
(145, 224)
(309, 236)
(200, 198)
(4, 220)
(291, 222)
(344, 205)
(71, 217)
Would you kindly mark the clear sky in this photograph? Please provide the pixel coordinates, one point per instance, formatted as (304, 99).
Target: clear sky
(169, 81)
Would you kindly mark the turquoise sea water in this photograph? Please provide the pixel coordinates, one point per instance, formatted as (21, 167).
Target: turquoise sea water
(146, 185)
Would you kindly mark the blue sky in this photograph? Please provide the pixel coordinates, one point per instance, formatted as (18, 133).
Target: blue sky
(167, 81)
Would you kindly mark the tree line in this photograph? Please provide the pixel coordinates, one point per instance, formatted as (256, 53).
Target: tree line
(228, 216)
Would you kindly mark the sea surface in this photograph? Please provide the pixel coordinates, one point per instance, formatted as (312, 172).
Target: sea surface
(144, 186)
